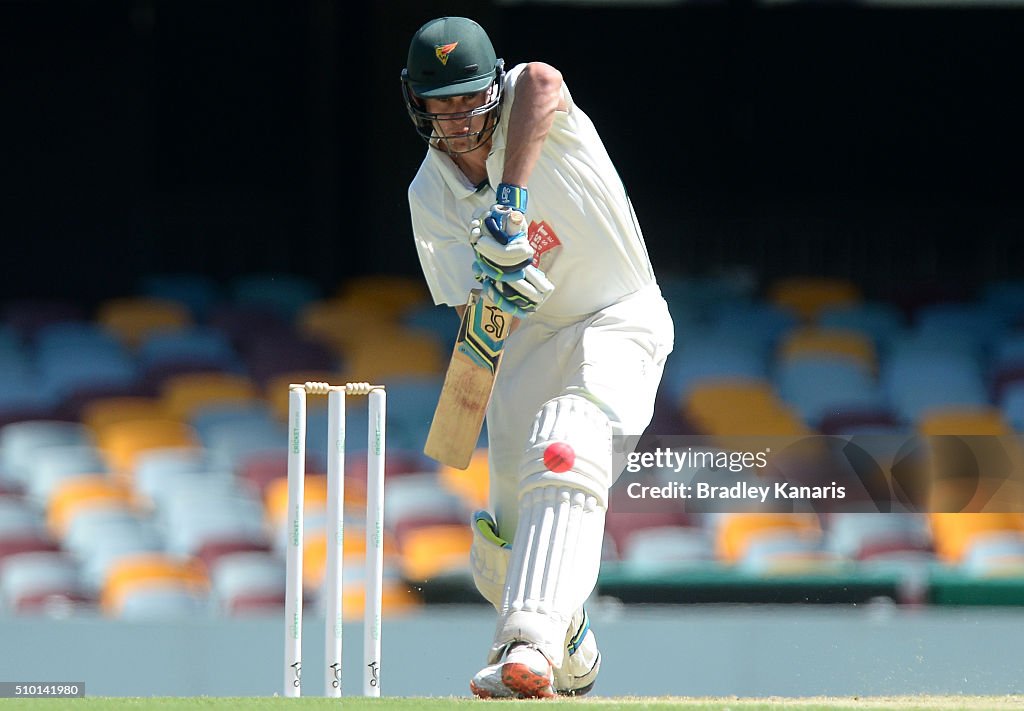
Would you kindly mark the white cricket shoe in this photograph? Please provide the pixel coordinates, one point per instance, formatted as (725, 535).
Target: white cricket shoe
(575, 676)
(522, 672)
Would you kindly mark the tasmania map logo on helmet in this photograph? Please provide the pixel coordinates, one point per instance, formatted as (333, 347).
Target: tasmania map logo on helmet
(442, 51)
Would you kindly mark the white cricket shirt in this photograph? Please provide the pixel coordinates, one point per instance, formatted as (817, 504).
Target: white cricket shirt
(581, 223)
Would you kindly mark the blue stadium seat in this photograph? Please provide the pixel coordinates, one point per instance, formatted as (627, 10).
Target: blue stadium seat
(30, 580)
(204, 346)
(285, 294)
(880, 321)
(665, 548)
(55, 463)
(197, 292)
(820, 386)
(1012, 406)
(20, 440)
(163, 603)
(920, 376)
(706, 356)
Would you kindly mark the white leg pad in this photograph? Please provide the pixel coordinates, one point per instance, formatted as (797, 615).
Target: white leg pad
(556, 552)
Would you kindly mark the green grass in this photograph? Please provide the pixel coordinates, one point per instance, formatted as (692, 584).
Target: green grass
(901, 703)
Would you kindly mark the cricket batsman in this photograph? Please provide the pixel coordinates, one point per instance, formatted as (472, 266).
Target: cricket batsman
(517, 196)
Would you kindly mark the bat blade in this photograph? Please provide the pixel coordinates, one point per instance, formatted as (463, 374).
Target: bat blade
(459, 416)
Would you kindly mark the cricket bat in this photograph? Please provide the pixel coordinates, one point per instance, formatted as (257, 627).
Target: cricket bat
(459, 417)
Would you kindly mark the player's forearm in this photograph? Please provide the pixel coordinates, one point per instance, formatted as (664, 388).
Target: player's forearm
(538, 97)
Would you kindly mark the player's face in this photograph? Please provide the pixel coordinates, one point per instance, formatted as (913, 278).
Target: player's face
(455, 125)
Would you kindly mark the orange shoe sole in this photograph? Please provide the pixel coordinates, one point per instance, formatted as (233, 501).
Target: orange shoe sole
(524, 680)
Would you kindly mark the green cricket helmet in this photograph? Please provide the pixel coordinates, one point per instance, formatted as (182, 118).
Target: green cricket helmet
(452, 56)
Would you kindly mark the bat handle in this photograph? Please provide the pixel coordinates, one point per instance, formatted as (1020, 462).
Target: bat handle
(516, 217)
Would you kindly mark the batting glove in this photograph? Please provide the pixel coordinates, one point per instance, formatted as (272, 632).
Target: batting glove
(521, 297)
(499, 239)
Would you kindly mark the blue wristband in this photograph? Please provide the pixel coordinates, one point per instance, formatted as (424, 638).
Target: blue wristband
(512, 196)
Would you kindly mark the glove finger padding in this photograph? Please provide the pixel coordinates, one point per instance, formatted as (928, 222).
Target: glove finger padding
(522, 296)
(501, 245)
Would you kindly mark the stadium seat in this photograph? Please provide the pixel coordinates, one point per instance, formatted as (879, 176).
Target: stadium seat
(864, 535)
(337, 324)
(836, 343)
(390, 295)
(658, 549)
(123, 442)
(259, 469)
(102, 412)
(706, 359)
(964, 421)
(285, 294)
(997, 555)
(1012, 406)
(807, 296)
(133, 318)
(247, 323)
(760, 324)
(419, 499)
(132, 579)
(910, 374)
(432, 551)
(188, 350)
(185, 394)
(162, 602)
(20, 440)
(954, 533)
(53, 464)
(826, 385)
(382, 355)
(247, 576)
(273, 356)
(471, 484)
(83, 493)
(879, 321)
(736, 532)
(197, 292)
(31, 581)
(972, 324)
(741, 407)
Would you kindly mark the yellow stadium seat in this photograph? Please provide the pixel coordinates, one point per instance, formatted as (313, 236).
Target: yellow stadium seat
(397, 598)
(806, 296)
(87, 492)
(471, 484)
(339, 324)
(736, 531)
(953, 533)
(121, 442)
(187, 393)
(131, 319)
(393, 353)
(314, 497)
(390, 295)
(149, 570)
(964, 421)
(314, 553)
(830, 342)
(429, 551)
(101, 413)
(731, 407)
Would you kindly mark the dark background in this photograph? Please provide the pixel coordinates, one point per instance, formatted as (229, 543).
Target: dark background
(231, 136)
